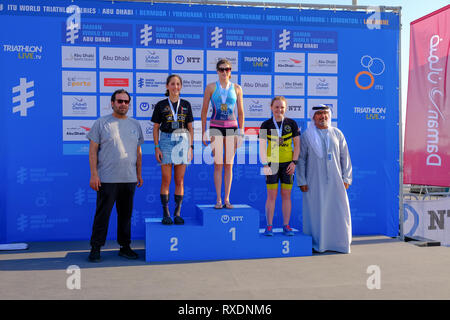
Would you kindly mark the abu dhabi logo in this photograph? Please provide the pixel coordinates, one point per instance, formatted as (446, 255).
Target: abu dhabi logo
(375, 67)
(216, 37)
(73, 23)
(284, 42)
(23, 96)
(146, 35)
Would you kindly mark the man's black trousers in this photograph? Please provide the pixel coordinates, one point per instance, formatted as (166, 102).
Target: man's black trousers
(122, 194)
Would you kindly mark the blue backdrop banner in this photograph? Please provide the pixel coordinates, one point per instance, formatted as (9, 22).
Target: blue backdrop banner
(61, 60)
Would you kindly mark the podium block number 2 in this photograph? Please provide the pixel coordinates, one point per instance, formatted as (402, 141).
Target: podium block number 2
(233, 233)
(174, 242)
(286, 248)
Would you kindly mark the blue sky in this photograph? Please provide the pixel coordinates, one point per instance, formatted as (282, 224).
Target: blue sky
(411, 10)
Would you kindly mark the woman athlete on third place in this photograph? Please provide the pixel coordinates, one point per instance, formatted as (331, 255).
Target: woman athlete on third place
(226, 135)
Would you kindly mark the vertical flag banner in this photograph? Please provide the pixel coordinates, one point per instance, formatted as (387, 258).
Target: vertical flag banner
(427, 132)
(61, 61)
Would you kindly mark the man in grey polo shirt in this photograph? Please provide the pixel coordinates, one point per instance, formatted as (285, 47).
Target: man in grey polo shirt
(115, 159)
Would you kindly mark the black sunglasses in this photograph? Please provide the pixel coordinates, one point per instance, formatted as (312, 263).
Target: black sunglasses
(120, 101)
(223, 69)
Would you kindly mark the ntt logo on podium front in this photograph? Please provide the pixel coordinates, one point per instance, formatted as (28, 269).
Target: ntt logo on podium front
(226, 218)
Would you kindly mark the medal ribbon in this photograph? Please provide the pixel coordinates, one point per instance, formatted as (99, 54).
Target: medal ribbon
(175, 114)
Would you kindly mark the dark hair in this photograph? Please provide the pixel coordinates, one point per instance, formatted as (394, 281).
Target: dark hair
(168, 81)
(113, 97)
(222, 61)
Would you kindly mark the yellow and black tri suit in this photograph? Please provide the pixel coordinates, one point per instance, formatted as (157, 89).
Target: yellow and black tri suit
(279, 154)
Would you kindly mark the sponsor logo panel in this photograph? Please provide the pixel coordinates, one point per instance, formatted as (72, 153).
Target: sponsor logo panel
(111, 81)
(152, 59)
(192, 83)
(289, 62)
(79, 81)
(256, 62)
(322, 63)
(289, 85)
(145, 106)
(78, 57)
(256, 84)
(322, 86)
(151, 82)
(295, 108)
(76, 130)
(116, 58)
(257, 107)
(187, 60)
(212, 57)
(79, 106)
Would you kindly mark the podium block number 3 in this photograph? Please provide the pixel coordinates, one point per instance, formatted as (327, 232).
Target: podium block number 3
(174, 242)
(233, 233)
(285, 249)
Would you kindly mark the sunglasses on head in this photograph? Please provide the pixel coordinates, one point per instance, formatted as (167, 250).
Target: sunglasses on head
(224, 69)
(120, 101)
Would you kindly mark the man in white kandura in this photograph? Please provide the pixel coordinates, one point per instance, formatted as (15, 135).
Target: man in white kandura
(324, 172)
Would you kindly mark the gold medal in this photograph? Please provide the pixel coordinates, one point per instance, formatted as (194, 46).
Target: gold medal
(224, 107)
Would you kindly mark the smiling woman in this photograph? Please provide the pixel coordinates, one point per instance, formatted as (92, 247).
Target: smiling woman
(173, 137)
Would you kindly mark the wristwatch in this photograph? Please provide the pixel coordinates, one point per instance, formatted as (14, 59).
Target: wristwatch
(295, 161)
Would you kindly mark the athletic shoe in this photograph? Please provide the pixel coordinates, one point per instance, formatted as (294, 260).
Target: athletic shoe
(126, 252)
(268, 232)
(287, 231)
(178, 220)
(167, 220)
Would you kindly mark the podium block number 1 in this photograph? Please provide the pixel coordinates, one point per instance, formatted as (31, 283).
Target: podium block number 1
(174, 242)
(233, 233)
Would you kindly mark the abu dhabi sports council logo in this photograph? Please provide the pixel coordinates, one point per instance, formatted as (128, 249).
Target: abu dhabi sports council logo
(216, 37)
(365, 79)
(146, 35)
(23, 97)
(73, 23)
(284, 40)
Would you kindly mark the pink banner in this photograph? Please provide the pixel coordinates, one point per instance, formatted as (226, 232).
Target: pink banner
(427, 132)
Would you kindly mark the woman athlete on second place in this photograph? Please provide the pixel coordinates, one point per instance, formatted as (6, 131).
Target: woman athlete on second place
(226, 135)
(173, 116)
